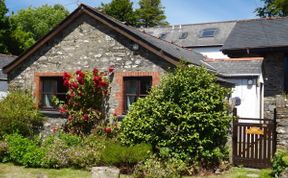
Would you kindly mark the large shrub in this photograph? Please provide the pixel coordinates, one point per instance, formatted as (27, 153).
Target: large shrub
(23, 151)
(184, 117)
(18, 113)
(87, 96)
(280, 162)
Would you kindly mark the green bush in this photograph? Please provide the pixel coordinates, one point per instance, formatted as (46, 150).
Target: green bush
(18, 113)
(186, 114)
(23, 151)
(280, 162)
(67, 150)
(118, 155)
(157, 168)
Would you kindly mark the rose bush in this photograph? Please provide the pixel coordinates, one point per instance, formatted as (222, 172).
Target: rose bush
(86, 99)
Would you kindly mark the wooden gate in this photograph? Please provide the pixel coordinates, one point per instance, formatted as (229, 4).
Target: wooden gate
(254, 142)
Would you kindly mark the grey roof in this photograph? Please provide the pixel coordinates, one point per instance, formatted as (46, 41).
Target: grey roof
(194, 30)
(4, 60)
(165, 46)
(237, 67)
(258, 33)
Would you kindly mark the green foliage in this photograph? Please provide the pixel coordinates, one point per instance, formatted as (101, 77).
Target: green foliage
(121, 10)
(157, 168)
(23, 151)
(280, 162)
(5, 27)
(29, 25)
(185, 115)
(273, 8)
(150, 13)
(19, 114)
(117, 155)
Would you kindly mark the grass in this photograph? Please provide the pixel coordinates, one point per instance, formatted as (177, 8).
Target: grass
(236, 172)
(9, 170)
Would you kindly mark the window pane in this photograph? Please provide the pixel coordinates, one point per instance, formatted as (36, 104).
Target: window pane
(47, 101)
(60, 85)
(131, 86)
(49, 85)
(145, 85)
(52, 86)
(130, 100)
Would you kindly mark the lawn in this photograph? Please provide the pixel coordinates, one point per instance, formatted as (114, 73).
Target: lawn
(242, 173)
(12, 171)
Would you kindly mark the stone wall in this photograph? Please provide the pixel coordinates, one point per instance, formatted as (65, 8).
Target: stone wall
(84, 45)
(273, 75)
(282, 122)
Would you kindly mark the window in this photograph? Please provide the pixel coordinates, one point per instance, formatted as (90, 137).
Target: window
(52, 86)
(183, 35)
(135, 87)
(163, 36)
(208, 32)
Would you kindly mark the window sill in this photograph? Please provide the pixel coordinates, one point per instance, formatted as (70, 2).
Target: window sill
(52, 113)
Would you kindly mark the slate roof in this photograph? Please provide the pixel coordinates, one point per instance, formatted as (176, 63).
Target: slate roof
(258, 33)
(194, 30)
(237, 66)
(165, 48)
(4, 60)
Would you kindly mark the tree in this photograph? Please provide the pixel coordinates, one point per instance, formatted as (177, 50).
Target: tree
(121, 10)
(4, 24)
(184, 117)
(273, 8)
(151, 13)
(29, 25)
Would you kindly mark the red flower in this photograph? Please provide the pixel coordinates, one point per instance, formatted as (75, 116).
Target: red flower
(80, 73)
(97, 78)
(66, 76)
(111, 69)
(66, 83)
(62, 110)
(107, 130)
(103, 84)
(86, 117)
(74, 85)
(80, 80)
(115, 114)
(95, 71)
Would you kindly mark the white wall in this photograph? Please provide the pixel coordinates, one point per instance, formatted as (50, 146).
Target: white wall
(211, 52)
(250, 98)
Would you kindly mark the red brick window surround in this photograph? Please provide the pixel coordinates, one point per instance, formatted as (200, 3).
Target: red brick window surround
(48, 84)
(120, 78)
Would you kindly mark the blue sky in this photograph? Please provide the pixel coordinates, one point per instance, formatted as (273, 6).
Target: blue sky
(177, 11)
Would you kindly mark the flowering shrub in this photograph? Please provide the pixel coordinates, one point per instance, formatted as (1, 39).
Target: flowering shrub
(86, 99)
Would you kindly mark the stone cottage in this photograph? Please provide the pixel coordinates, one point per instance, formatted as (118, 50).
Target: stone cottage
(87, 39)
